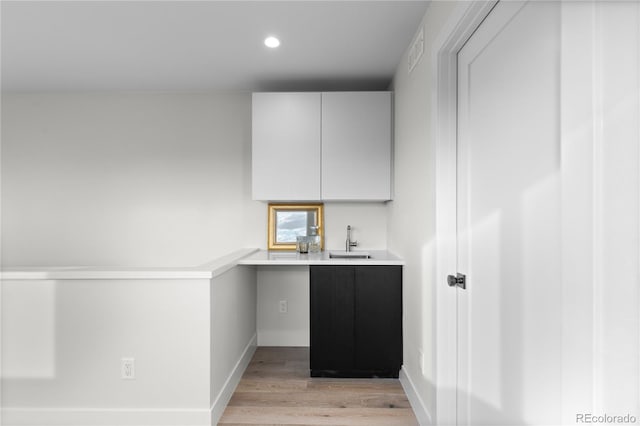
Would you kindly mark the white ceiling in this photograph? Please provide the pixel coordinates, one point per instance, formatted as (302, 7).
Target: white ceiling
(203, 45)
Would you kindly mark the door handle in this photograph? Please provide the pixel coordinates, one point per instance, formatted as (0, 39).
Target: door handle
(459, 280)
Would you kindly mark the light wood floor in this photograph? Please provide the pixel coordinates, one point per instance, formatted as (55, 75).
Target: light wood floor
(276, 390)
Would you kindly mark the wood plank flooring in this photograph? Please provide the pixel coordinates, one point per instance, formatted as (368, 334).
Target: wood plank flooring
(276, 390)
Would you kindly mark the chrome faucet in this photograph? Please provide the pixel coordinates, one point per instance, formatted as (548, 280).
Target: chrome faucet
(349, 243)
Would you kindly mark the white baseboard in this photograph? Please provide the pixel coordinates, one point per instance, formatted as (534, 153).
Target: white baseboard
(104, 417)
(420, 410)
(223, 397)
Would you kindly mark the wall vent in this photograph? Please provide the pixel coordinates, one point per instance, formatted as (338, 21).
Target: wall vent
(417, 48)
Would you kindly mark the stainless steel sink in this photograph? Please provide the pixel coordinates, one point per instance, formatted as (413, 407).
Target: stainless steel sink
(349, 255)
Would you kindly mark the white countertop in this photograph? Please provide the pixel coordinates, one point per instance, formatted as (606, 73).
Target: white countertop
(206, 271)
(248, 256)
(266, 257)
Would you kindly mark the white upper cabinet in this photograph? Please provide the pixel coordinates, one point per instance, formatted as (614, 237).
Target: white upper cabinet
(286, 146)
(356, 146)
(329, 146)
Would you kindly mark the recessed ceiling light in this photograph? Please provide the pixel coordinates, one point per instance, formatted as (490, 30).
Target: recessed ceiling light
(271, 42)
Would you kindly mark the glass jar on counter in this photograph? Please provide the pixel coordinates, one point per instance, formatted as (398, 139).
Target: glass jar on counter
(314, 240)
(302, 244)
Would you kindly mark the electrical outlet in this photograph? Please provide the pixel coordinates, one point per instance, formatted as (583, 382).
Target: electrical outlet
(283, 307)
(128, 368)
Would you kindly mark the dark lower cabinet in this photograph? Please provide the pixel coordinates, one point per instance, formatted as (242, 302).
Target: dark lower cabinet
(356, 321)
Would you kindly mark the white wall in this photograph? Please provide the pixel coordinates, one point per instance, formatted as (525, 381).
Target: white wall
(233, 332)
(368, 225)
(139, 180)
(123, 179)
(63, 341)
(276, 283)
(411, 215)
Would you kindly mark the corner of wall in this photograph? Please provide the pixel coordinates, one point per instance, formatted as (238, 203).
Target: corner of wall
(411, 223)
(223, 397)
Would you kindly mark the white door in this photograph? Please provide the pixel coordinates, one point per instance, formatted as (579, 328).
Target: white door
(509, 338)
(548, 215)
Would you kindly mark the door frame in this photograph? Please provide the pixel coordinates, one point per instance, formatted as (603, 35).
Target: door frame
(582, 47)
(461, 25)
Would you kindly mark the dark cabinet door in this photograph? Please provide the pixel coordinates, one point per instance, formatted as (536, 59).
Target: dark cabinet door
(356, 321)
(332, 318)
(378, 318)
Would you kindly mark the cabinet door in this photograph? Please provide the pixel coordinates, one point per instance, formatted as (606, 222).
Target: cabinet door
(286, 146)
(356, 146)
(378, 318)
(332, 315)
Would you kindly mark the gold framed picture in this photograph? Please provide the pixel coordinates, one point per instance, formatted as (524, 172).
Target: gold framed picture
(286, 222)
